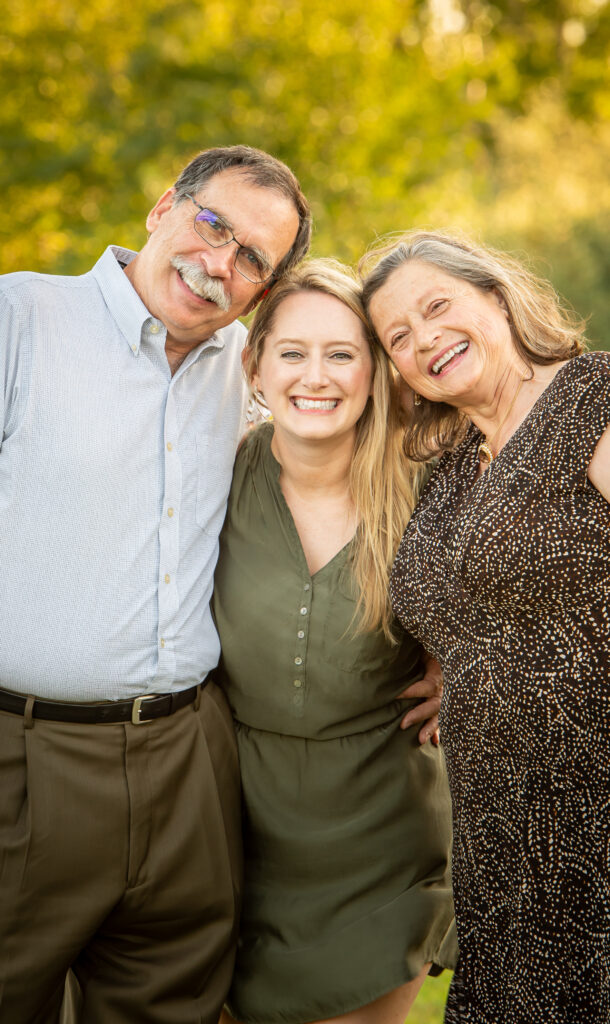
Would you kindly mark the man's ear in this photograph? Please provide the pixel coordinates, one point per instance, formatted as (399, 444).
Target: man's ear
(161, 207)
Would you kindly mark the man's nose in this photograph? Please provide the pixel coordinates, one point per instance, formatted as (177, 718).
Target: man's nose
(218, 260)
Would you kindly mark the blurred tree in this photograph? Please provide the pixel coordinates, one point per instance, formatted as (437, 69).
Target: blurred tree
(486, 116)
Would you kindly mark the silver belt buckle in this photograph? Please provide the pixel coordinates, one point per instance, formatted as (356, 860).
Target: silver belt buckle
(136, 708)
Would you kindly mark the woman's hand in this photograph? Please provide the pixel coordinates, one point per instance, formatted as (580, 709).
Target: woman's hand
(431, 689)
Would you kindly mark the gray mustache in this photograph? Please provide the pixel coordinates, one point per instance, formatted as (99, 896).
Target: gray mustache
(202, 284)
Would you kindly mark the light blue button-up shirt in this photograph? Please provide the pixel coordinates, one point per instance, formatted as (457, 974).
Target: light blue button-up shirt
(114, 478)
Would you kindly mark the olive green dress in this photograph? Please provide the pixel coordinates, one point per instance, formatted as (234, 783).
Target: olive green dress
(347, 818)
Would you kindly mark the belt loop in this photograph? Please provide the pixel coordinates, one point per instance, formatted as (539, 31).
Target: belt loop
(28, 713)
(197, 701)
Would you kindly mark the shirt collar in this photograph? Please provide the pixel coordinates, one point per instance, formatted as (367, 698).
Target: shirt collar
(120, 296)
(126, 306)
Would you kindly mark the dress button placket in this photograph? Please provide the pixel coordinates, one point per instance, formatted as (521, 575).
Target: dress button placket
(298, 684)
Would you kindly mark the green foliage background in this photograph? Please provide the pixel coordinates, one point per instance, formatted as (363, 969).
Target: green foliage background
(493, 118)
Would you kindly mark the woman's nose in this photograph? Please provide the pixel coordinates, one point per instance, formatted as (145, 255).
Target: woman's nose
(426, 335)
(315, 375)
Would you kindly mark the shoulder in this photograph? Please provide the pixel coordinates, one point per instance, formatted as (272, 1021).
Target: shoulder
(29, 298)
(569, 419)
(255, 446)
(233, 335)
(252, 483)
(581, 390)
(254, 453)
(25, 284)
(591, 369)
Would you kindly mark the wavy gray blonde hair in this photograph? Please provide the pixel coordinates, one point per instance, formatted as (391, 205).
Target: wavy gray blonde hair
(543, 330)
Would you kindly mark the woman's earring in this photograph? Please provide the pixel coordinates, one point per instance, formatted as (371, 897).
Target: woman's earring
(416, 398)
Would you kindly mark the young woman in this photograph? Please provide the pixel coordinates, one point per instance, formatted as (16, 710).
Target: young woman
(347, 820)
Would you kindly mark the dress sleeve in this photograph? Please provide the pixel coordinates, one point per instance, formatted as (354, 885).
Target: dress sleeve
(579, 418)
(592, 409)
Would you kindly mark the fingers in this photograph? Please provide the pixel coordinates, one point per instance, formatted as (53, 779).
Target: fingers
(435, 738)
(429, 731)
(429, 686)
(425, 712)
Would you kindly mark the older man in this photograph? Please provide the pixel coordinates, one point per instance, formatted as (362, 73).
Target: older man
(121, 403)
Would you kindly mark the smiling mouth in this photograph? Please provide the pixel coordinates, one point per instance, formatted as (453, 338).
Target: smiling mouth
(447, 356)
(200, 284)
(324, 404)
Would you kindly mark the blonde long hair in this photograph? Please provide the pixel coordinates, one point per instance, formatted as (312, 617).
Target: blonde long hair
(543, 330)
(383, 484)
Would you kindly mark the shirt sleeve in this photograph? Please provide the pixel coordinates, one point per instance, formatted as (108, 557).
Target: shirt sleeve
(15, 364)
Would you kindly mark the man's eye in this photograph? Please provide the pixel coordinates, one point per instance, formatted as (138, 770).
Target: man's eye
(256, 262)
(216, 225)
(253, 260)
(211, 221)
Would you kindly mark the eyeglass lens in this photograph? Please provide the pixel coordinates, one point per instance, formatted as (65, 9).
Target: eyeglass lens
(215, 232)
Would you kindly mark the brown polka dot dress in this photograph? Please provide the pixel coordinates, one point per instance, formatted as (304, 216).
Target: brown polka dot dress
(506, 580)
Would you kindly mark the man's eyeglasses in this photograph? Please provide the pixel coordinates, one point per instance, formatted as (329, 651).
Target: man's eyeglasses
(215, 232)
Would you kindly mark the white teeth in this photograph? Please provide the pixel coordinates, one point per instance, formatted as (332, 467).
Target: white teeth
(312, 403)
(444, 359)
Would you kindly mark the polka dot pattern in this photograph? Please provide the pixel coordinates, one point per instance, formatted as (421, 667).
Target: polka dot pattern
(505, 578)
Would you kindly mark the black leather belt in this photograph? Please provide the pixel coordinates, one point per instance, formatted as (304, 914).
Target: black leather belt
(139, 710)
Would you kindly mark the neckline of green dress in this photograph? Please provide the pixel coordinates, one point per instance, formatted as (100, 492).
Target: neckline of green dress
(267, 431)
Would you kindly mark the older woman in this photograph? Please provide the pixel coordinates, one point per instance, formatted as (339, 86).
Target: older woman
(347, 897)
(504, 575)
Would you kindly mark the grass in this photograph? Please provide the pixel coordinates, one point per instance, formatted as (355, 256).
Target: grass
(430, 1003)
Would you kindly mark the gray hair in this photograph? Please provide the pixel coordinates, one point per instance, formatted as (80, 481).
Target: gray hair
(543, 330)
(260, 169)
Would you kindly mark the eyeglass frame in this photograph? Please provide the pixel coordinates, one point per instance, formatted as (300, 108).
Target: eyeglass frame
(219, 245)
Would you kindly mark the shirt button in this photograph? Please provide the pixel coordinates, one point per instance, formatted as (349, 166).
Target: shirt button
(134, 348)
(298, 661)
(298, 682)
(166, 577)
(307, 586)
(169, 446)
(303, 611)
(170, 512)
(301, 634)
(162, 643)
(154, 328)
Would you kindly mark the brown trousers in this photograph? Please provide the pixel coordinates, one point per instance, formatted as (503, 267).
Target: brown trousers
(120, 856)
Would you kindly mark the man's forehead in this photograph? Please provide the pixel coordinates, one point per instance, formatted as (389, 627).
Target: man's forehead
(233, 184)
